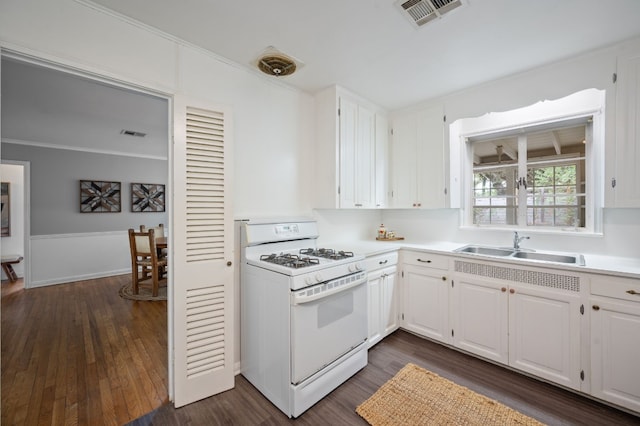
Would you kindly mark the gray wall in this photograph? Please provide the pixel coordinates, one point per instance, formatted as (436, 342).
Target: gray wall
(55, 188)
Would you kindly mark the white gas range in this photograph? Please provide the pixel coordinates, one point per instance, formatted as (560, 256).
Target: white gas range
(303, 314)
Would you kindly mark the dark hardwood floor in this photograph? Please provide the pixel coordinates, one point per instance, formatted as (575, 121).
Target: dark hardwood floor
(244, 405)
(79, 354)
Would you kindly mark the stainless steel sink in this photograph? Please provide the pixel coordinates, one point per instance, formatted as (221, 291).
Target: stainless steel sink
(487, 251)
(573, 259)
(550, 257)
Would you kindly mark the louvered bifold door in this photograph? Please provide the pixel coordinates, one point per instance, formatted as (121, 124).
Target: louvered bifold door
(202, 250)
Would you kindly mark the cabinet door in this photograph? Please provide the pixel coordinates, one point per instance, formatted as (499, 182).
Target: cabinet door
(365, 160)
(627, 174)
(430, 156)
(615, 351)
(544, 333)
(389, 312)
(417, 160)
(480, 317)
(375, 304)
(426, 302)
(348, 128)
(403, 162)
(382, 177)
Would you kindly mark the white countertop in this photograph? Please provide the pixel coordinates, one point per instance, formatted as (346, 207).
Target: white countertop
(610, 265)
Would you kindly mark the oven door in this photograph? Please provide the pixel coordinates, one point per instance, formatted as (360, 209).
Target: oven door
(327, 327)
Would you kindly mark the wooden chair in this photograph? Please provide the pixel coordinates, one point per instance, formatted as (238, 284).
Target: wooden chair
(145, 263)
(159, 232)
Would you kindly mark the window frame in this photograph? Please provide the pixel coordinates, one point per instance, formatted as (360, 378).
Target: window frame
(584, 105)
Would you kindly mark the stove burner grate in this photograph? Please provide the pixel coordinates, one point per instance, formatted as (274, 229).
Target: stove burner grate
(327, 253)
(289, 260)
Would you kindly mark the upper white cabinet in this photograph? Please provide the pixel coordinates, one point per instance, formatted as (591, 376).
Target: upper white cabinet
(626, 180)
(351, 161)
(417, 159)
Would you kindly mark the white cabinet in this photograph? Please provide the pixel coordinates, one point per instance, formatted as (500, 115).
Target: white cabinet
(479, 317)
(529, 319)
(382, 296)
(426, 295)
(351, 140)
(615, 340)
(626, 174)
(544, 333)
(417, 160)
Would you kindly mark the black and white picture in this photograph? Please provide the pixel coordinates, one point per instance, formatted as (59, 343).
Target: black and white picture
(147, 197)
(6, 207)
(99, 196)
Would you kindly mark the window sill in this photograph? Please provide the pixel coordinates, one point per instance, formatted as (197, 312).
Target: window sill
(535, 231)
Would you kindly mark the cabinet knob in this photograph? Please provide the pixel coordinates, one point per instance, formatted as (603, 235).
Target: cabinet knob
(444, 278)
(229, 263)
(512, 291)
(419, 204)
(596, 307)
(414, 204)
(503, 289)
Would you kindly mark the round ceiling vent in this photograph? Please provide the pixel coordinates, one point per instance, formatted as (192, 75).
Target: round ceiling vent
(277, 65)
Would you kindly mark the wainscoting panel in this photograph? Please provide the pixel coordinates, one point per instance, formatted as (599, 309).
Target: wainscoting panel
(63, 258)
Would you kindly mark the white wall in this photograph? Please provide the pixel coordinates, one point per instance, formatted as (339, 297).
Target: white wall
(14, 244)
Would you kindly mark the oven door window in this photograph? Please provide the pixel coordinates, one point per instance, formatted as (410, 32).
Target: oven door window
(325, 329)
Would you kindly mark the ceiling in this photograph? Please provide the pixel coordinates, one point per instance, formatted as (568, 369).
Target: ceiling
(370, 48)
(47, 106)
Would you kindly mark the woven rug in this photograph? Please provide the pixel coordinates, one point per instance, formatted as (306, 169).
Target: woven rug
(144, 293)
(416, 396)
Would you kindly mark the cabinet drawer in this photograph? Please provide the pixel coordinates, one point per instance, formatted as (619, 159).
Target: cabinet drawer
(620, 288)
(428, 260)
(380, 261)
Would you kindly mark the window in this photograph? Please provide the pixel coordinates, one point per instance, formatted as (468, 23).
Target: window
(534, 178)
(538, 167)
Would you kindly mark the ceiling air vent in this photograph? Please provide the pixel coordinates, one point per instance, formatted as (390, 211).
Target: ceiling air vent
(419, 12)
(277, 64)
(133, 133)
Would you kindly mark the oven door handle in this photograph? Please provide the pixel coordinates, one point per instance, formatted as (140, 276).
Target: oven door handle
(300, 298)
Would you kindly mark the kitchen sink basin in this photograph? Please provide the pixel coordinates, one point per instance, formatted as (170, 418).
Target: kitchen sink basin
(503, 252)
(549, 257)
(487, 251)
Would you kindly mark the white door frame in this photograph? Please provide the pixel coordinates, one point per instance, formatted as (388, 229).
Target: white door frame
(26, 217)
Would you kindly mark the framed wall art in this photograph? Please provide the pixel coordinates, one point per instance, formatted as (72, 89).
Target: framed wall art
(147, 197)
(5, 218)
(99, 196)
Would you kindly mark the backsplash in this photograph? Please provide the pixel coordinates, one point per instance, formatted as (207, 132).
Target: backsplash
(621, 235)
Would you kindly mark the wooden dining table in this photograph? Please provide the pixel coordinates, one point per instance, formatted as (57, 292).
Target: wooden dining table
(161, 242)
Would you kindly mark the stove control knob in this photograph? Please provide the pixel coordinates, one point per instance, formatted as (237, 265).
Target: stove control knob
(355, 267)
(308, 281)
(318, 278)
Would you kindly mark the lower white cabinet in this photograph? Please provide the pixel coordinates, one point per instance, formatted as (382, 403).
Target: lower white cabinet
(615, 341)
(544, 333)
(534, 327)
(382, 296)
(479, 317)
(426, 295)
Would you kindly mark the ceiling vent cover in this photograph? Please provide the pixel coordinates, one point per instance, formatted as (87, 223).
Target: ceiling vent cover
(419, 12)
(275, 63)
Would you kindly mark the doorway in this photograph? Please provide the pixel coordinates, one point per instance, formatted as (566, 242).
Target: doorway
(79, 144)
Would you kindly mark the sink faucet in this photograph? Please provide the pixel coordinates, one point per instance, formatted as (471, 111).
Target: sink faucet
(517, 239)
